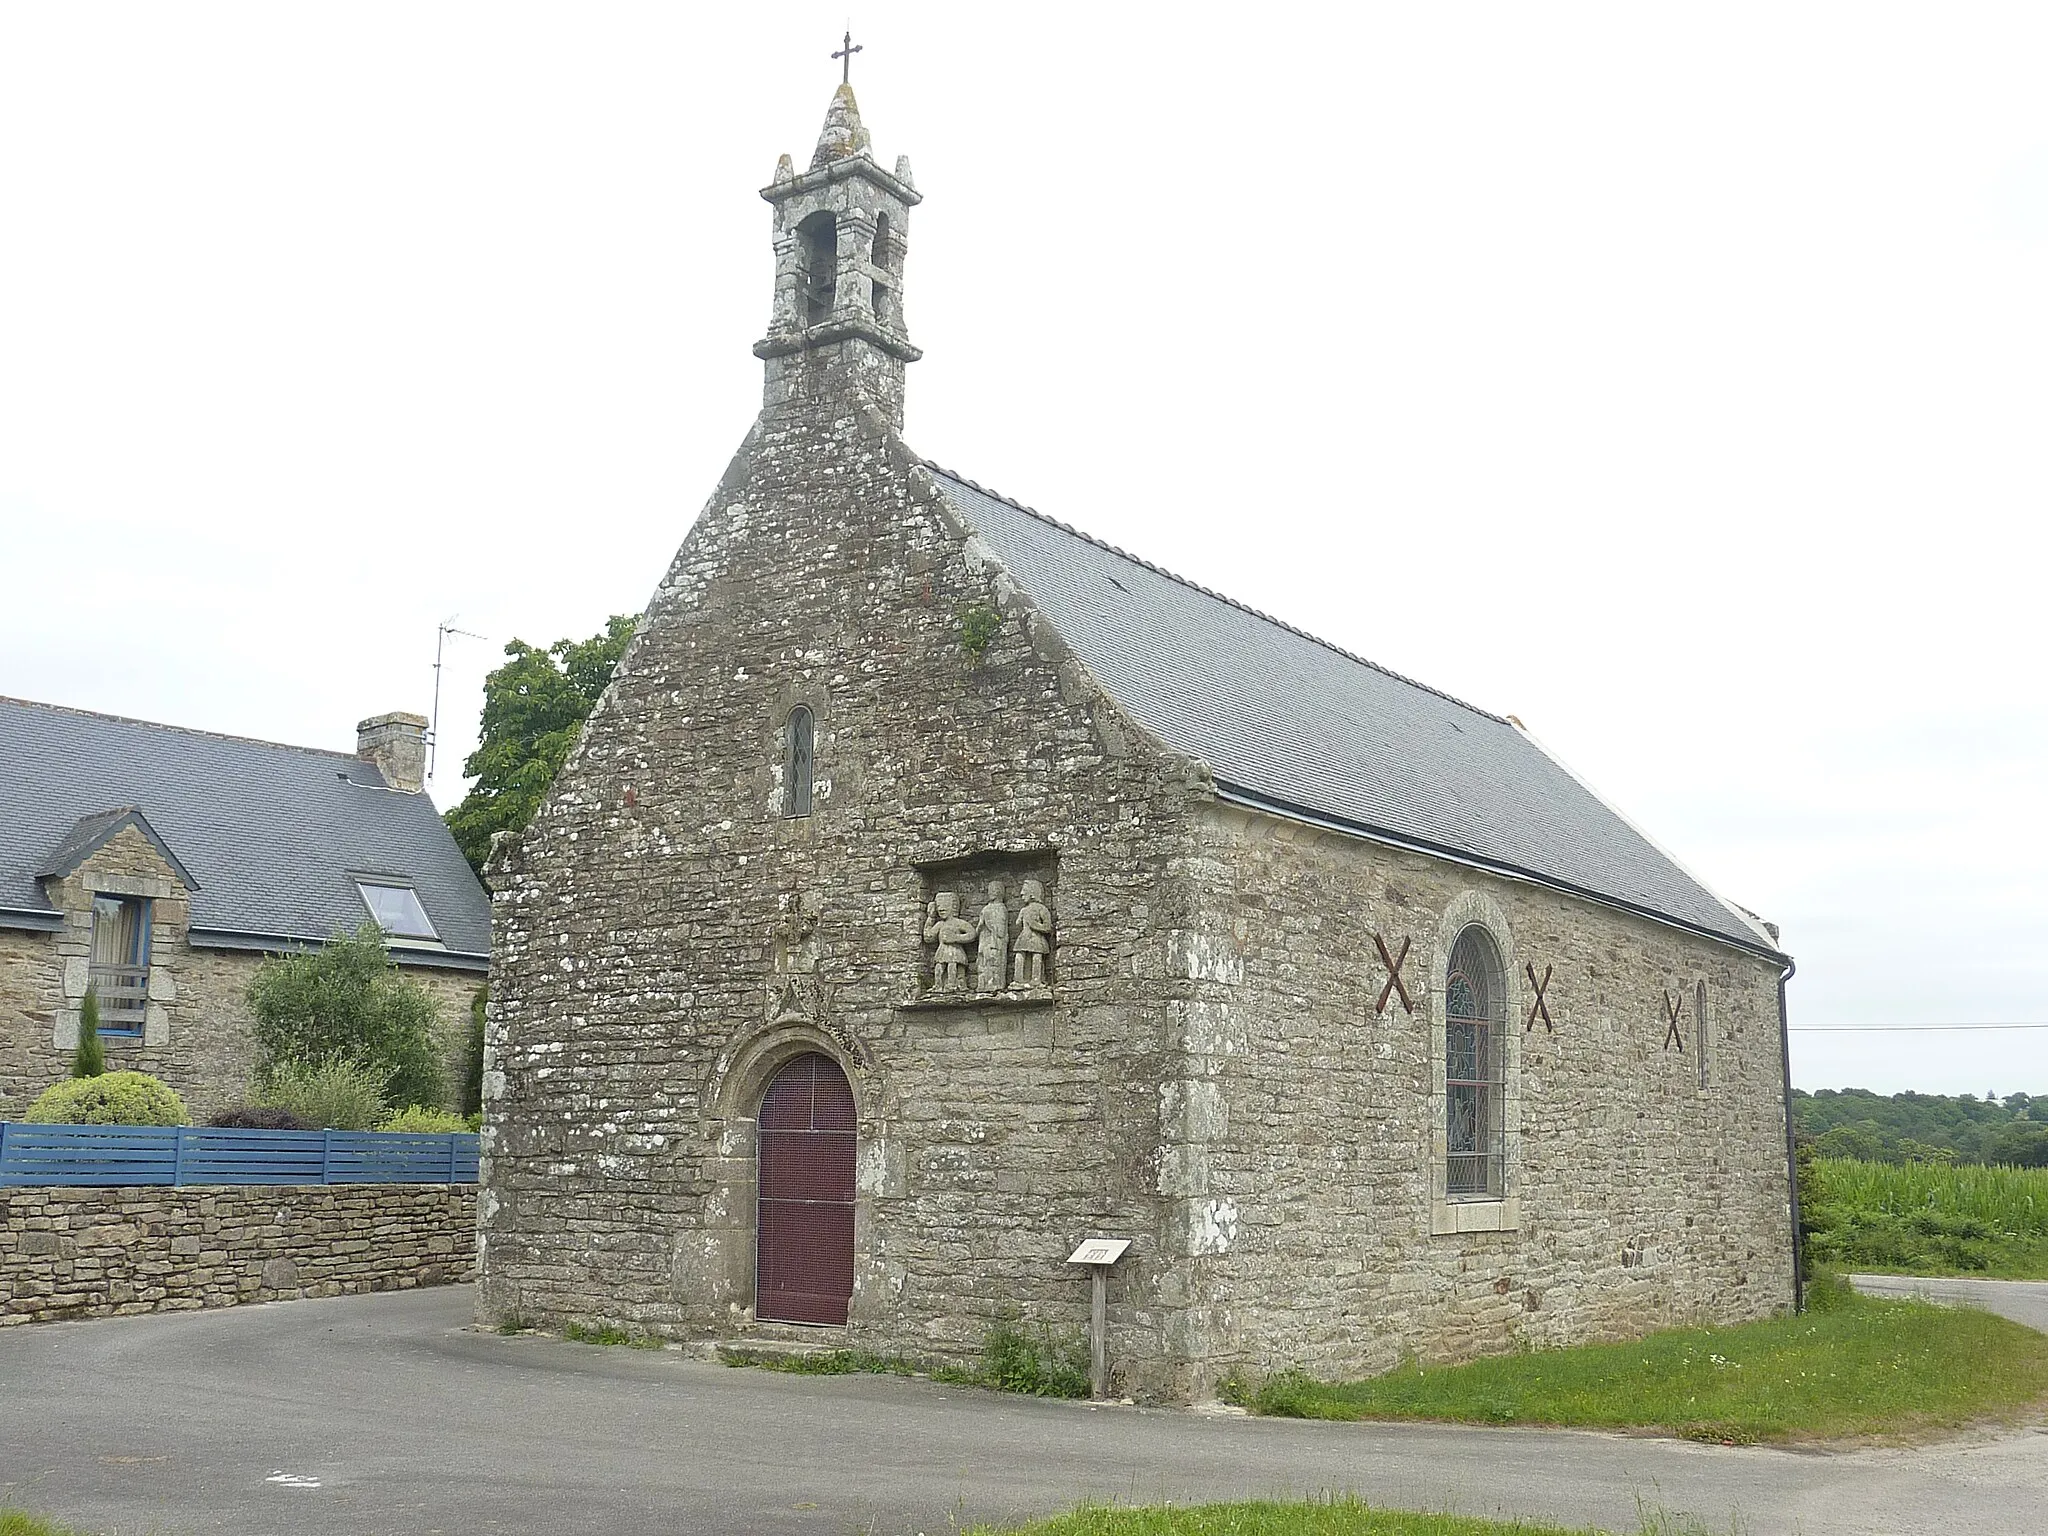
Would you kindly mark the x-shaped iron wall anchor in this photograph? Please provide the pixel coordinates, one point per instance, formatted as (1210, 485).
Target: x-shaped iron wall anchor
(1673, 1007)
(1538, 1009)
(1394, 984)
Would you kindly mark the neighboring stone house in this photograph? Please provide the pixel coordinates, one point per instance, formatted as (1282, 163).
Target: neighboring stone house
(160, 865)
(935, 887)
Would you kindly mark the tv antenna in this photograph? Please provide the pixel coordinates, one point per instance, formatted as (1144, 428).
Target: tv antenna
(441, 633)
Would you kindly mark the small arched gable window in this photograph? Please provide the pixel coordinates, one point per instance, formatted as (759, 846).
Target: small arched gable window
(1475, 1068)
(798, 745)
(818, 244)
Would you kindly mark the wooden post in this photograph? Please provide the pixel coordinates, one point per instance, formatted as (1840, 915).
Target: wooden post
(1098, 1334)
(1098, 1254)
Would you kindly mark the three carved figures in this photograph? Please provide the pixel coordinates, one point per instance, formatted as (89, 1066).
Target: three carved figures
(1011, 951)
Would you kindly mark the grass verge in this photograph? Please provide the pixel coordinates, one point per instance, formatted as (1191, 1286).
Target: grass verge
(1036, 1363)
(1853, 1367)
(1340, 1516)
(17, 1522)
(605, 1333)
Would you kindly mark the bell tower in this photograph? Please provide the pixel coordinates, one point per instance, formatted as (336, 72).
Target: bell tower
(841, 229)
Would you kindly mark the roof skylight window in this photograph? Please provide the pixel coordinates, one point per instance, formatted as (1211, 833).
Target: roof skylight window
(397, 910)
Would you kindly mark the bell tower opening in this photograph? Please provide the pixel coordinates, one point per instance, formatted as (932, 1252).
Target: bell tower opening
(818, 248)
(883, 269)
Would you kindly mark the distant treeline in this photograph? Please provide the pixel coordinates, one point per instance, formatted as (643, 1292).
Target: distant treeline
(1925, 1127)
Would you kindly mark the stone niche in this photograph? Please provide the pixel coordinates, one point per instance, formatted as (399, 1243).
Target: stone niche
(988, 931)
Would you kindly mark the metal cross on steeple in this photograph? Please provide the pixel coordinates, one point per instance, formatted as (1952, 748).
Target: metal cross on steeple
(847, 50)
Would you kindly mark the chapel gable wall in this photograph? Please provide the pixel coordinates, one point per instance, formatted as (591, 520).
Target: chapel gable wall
(667, 934)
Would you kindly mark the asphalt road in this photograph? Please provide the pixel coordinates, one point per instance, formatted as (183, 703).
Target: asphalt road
(381, 1414)
(2024, 1301)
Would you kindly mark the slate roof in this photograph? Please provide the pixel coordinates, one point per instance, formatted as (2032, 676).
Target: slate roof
(94, 832)
(272, 834)
(1287, 721)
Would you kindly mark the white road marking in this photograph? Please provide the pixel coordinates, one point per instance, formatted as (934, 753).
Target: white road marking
(292, 1480)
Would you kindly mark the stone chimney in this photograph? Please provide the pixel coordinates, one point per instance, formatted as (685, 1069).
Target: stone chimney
(397, 744)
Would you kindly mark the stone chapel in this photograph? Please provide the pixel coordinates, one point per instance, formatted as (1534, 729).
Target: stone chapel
(936, 886)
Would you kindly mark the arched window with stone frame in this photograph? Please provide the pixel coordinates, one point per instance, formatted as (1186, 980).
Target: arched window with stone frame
(799, 757)
(1475, 1069)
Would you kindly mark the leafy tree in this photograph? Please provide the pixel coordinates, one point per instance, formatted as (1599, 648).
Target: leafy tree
(89, 1059)
(348, 1002)
(533, 707)
(1917, 1127)
(2022, 1144)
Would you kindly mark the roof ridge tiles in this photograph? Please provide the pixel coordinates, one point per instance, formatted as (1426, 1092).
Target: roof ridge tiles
(1209, 592)
(183, 730)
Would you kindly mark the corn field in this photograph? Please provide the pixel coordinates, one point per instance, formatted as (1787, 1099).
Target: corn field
(2013, 1201)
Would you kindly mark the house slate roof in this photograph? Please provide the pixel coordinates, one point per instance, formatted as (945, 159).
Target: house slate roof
(1300, 727)
(272, 835)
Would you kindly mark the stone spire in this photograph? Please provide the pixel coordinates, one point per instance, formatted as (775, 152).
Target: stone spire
(842, 228)
(843, 135)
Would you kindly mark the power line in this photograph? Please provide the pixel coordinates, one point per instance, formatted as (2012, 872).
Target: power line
(1879, 1029)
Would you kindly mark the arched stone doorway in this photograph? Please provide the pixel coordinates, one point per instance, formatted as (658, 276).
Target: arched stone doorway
(803, 1252)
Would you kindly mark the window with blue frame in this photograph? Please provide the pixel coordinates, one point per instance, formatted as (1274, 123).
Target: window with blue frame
(119, 972)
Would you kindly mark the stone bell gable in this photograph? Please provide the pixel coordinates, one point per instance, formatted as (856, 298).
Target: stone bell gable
(935, 887)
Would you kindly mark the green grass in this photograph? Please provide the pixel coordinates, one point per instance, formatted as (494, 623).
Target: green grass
(1035, 1362)
(1853, 1367)
(1343, 1515)
(604, 1333)
(824, 1362)
(1930, 1218)
(15, 1522)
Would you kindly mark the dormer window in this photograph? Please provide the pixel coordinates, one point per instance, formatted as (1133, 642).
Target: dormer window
(397, 910)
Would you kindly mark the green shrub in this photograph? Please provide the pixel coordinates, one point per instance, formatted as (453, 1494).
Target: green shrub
(90, 1058)
(114, 1098)
(348, 1000)
(1038, 1364)
(334, 1094)
(979, 626)
(416, 1120)
(257, 1117)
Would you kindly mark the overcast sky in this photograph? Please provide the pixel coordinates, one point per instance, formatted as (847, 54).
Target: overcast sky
(1673, 379)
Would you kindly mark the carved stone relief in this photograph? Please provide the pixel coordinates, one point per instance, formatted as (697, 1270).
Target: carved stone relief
(796, 993)
(1004, 950)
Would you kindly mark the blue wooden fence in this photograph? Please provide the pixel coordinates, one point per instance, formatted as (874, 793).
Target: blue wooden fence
(85, 1155)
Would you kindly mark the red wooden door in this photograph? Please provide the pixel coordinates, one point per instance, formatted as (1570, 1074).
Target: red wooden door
(804, 1217)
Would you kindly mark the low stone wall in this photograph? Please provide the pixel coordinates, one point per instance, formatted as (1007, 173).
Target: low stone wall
(70, 1253)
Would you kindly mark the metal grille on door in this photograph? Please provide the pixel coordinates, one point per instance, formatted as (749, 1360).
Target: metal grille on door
(804, 1219)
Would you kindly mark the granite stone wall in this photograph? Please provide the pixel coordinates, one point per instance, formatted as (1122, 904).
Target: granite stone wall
(74, 1253)
(1304, 1138)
